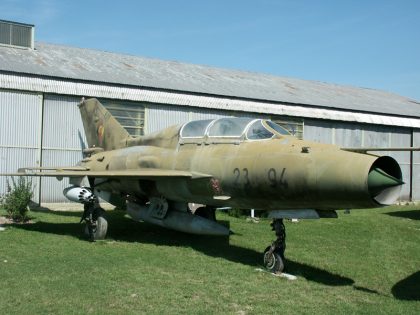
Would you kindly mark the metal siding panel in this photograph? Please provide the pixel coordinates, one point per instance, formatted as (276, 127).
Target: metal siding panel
(348, 135)
(248, 115)
(416, 166)
(52, 189)
(63, 138)
(376, 136)
(416, 143)
(201, 114)
(160, 117)
(401, 137)
(19, 119)
(19, 133)
(317, 130)
(14, 158)
(62, 124)
(405, 191)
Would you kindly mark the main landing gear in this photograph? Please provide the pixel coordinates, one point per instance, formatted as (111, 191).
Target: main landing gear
(94, 216)
(274, 254)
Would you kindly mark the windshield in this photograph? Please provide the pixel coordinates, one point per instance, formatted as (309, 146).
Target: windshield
(257, 131)
(277, 128)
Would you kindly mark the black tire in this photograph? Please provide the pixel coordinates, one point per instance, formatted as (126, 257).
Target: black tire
(206, 212)
(97, 232)
(273, 262)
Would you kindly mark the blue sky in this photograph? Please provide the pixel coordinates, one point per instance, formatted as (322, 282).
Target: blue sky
(371, 43)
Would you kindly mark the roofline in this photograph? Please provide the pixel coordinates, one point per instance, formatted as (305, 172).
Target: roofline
(18, 23)
(221, 96)
(83, 65)
(37, 84)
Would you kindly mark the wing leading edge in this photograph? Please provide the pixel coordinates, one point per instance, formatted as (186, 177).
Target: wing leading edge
(364, 150)
(72, 172)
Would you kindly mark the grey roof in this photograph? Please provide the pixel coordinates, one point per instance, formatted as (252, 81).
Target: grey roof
(92, 65)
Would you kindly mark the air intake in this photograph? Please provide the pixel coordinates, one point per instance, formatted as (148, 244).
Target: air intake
(17, 34)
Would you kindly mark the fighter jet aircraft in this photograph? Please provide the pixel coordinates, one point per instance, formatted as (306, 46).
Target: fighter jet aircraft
(227, 162)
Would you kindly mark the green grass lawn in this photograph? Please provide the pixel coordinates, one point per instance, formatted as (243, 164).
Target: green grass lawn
(366, 262)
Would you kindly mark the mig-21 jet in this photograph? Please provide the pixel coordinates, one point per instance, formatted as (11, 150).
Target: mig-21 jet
(241, 163)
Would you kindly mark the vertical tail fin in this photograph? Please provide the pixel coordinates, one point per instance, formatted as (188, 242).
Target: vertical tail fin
(101, 128)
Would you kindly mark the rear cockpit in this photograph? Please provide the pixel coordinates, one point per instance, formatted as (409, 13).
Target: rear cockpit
(227, 130)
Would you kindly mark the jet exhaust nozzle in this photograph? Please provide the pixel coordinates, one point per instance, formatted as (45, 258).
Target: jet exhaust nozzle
(79, 194)
(385, 180)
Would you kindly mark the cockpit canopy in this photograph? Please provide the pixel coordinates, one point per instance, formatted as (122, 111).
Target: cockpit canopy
(232, 128)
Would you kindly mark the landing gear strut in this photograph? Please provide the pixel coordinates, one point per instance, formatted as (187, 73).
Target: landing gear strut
(274, 254)
(96, 224)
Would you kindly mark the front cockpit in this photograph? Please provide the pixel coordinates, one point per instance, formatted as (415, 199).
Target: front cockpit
(230, 129)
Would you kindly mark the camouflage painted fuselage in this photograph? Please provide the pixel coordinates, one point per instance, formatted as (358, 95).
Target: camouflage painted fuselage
(278, 173)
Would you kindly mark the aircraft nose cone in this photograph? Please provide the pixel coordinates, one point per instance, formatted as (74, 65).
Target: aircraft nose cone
(379, 180)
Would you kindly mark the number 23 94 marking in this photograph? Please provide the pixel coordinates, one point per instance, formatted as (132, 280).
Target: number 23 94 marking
(274, 179)
(244, 174)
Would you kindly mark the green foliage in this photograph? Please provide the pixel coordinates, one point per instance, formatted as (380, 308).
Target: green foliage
(15, 201)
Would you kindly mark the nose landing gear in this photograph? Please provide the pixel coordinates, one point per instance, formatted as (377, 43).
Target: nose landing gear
(274, 254)
(96, 224)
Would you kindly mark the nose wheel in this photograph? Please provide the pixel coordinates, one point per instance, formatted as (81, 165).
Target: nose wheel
(96, 224)
(274, 254)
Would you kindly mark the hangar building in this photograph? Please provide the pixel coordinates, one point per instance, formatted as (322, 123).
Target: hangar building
(41, 84)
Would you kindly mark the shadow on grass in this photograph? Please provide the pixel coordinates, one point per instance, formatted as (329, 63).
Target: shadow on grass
(411, 214)
(127, 230)
(366, 290)
(408, 288)
(76, 214)
(314, 274)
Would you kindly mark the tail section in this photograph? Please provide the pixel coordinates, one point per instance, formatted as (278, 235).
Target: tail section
(101, 128)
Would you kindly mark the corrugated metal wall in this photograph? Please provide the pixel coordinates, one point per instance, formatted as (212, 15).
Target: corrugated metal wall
(401, 137)
(347, 135)
(317, 130)
(20, 121)
(201, 114)
(416, 166)
(159, 117)
(62, 141)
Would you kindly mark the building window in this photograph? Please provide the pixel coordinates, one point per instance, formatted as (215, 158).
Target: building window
(129, 114)
(291, 124)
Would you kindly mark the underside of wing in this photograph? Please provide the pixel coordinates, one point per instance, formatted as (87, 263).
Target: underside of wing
(72, 172)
